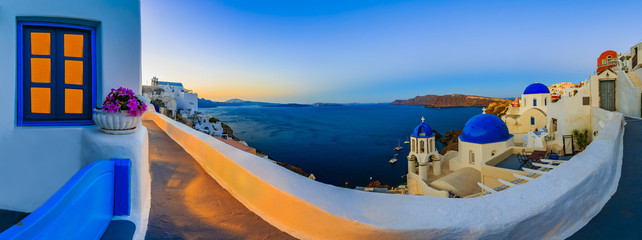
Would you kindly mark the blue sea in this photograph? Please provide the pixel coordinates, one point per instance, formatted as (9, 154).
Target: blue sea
(339, 144)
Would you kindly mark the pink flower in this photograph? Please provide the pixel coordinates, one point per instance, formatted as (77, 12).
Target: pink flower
(123, 99)
(133, 112)
(110, 107)
(132, 104)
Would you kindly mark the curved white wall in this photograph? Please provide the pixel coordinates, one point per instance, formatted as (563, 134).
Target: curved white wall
(97, 145)
(628, 95)
(552, 206)
(417, 186)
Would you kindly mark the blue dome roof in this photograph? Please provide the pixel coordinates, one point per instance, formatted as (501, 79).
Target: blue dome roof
(536, 88)
(422, 131)
(485, 128)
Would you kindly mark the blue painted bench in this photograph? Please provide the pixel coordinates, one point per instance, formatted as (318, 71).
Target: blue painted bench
(83, 208)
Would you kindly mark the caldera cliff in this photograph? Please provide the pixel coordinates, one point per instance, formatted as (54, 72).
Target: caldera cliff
(452, 100)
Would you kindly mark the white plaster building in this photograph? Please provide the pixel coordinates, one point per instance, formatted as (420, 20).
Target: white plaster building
(566, 114)
(531, 114)
(49, 90)
(615, 88)
(456, 173)
(483, 137)
(619, 88)
(560, 87)
(174, 95)
(214, 129)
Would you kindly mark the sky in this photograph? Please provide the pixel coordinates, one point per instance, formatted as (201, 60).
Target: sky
(377, 50)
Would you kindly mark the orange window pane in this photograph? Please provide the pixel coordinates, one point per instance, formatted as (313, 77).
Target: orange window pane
(40, 43)
(73, 100)
(73, 45)
(41, 70)
(73, 72)
(40, 100)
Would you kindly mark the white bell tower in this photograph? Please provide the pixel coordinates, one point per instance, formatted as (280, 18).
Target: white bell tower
(422, 145)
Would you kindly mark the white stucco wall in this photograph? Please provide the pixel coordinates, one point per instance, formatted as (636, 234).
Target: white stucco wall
(594, 87)
(639, 55)
(628, 99)
(553, 206)
(97, 145)
(523, 123)
(464, 150)
(483, 152)
(36, 161)
(628, 95)
(191, 101)
(600, 119)
(526, 103)
(186, 101)
(417, 186)
(570, 114)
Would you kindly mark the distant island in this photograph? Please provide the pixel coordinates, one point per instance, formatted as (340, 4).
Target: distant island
(452, 100)
(288, 105)
(430, 101)
(206, 103)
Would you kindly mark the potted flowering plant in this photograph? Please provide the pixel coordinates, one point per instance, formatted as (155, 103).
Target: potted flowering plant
(121, 112)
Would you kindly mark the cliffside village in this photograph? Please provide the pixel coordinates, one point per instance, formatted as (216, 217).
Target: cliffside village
(523, 139)
(493, 151)
(181, 104)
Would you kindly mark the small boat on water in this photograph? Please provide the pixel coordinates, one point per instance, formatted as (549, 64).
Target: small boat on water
(393, 160)
(398, 147)
(407, 141)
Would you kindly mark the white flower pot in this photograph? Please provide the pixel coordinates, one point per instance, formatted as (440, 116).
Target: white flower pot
(116, 123)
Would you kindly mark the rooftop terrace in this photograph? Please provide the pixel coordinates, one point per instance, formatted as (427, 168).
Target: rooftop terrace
(512, 162)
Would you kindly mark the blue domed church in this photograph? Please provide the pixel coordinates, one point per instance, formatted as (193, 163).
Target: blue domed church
(483, 136)
(531, 112)
(457, 172)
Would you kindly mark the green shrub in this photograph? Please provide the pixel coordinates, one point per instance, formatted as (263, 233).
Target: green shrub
(581, 138)
(158, 103)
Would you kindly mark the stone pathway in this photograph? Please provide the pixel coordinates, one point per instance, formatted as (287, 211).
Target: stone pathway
(621, 217)
(188, 204)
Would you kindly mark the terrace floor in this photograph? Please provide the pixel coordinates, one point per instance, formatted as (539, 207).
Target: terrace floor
(189, 204)
(512, 162)
(622, 215)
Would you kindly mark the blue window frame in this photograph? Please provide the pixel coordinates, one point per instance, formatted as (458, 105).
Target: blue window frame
(56, 74)
(545, 101)
(534, 102)
(532, 121)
